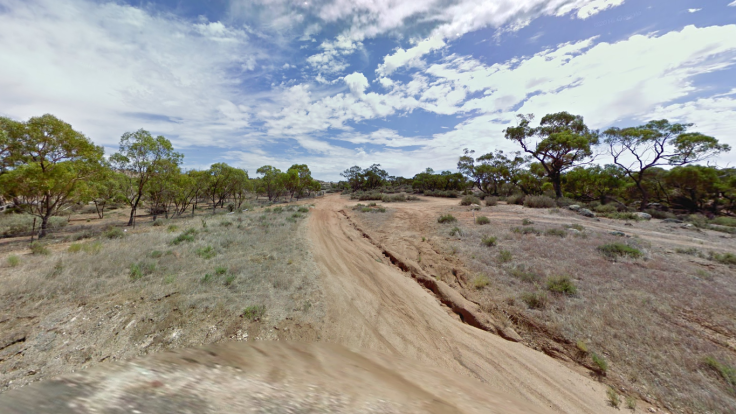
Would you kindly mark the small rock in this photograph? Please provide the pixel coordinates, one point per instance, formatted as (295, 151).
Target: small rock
(628, 224)
(687, 226)
(643, 216)
(574, 207)
(585, 212)
(617, 233)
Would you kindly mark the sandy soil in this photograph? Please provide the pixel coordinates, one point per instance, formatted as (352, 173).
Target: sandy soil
(389, 344)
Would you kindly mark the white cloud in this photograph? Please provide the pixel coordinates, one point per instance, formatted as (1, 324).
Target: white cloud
(589, 8)
(732, 4)
(114, 68)
(410, 57)
(331, 59)
(357, 82)
(715, 116)
(693, 10)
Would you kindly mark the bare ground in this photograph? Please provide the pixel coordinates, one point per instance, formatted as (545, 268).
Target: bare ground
(397, 293)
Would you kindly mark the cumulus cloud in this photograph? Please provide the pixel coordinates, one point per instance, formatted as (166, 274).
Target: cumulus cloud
(113, 68)
(410, 57)
(693, 10)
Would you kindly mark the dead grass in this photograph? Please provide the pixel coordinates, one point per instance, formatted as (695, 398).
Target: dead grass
(648, 320)
(115, 298)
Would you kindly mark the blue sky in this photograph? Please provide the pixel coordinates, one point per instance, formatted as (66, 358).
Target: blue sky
(335, 83)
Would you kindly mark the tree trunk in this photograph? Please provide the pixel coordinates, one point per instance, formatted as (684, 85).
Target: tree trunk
(44, 226)
(132, 211)
(556, 179)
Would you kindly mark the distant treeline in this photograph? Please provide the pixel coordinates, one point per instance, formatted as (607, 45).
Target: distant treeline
(45, 165)
(556, 158)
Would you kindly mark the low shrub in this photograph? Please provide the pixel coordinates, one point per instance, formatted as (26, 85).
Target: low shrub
(561, 284)
(156, 254)
(172, 228)
(303, 209)
(621, 216)
(526, 222)
(724, 221)
(220, 270)
(277, 209)
(578, 227)
(658, 214)
(534, 300)
(606, 208)
(113, 233)
(489, 241)
(226, 223)
(691, 251)
(539, 202)
(447, 218)
(456, 231)
(481, 281)
(482, 220)
(613, 398)
(615, 250)
(491, 201)
(698, 220)
(515, 199)
(138, 270)
(564, 202)
(723, 258)
(600, 363)
(187, 236)
(469, 199)
(206, 252)
(522, 273)
(393, 198)
(159, 223)
(254, 312)
(504, 256)
(555, 233)
(229, 280)
(727, 372)
(412, 198)
(526, 230)
(39, 248)
(13, 260)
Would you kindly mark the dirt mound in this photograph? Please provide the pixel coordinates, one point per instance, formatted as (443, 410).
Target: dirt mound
(259, 377)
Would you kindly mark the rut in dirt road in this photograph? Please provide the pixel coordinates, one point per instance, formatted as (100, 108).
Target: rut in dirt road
(372, 304)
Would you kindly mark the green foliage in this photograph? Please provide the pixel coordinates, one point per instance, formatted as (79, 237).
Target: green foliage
(113, 233)
(724, 258)
(526, 230)
(621, 216)
(226, 223)
(534, 300)
(482, 220)
(504, 256)
(480, 281)
(159, 223)
(613, 398)
(469, 199)
(229, 280)
(578, 227)
(561, 284)
(220, 270)
(600, 362)
(206, 252)
(631, 403)
(447, 218)
(562, 141)
(13, 260)
(692, 251)
(726, 371)
(515, 199)
(135, 271)
(456, 231)
(39, 248)
(489, 241)
(254, 312)
(207, 278)
(277, 210)
(186, 236)
(156, 254)
(526, 222)
(615, 250)
(303, 209)
(172, 228)
(724, 221)
(522, 273)
(539, 202)
(555, 233)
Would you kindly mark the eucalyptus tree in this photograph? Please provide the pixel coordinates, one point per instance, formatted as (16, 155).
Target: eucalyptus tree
(657, 143)
(560, 142)
(138, 159)
(272, 182)
(51, 162)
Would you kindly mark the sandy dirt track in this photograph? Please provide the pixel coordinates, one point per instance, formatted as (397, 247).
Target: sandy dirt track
(374, 305)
